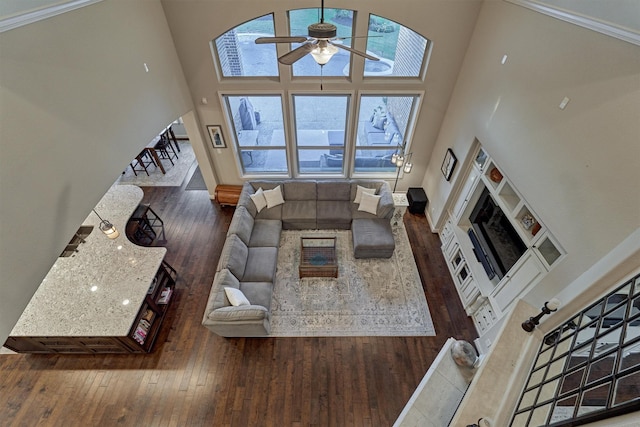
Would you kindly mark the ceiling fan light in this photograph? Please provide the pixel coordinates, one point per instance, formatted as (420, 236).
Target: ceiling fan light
(323, 53)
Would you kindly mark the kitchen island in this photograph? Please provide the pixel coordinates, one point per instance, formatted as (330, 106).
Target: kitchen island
(108, 296)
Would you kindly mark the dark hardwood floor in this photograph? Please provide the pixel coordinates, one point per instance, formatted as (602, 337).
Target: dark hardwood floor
(196, 378)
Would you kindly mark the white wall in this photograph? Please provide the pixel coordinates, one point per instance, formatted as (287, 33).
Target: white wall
(76, 105)
(577, 168)
(448, 24)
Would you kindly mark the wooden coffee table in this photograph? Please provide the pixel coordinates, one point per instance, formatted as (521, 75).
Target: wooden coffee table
(318, 257)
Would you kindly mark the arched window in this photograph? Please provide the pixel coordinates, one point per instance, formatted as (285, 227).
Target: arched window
(338, 133)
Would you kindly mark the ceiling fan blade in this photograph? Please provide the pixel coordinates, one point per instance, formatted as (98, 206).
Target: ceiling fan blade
(357, 52)
(296, 54)
(353, 37)
(292, 39)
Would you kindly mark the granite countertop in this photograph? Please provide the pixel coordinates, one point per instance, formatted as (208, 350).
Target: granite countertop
(97, 291)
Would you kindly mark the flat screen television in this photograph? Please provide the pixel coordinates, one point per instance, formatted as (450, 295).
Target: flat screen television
(496, 243)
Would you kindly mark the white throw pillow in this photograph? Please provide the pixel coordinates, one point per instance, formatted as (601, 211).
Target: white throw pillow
(236, 297)
(274, 197)
(258, 199)
(360, 190)
(369, 203)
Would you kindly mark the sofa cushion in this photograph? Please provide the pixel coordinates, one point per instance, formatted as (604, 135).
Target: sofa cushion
(266, 232)
(334, 210)
(234, 256)
(235, 296)
(259, 293)
(333, 190)
(265, 185)
(299, 214)
(273, 213)
(299, 210)
(223, 279)
(260, 265)
(300, 190)
(369, 203)
(274, 197)
(234, 314)
(242, 224)
(372, 238)
(245, 199)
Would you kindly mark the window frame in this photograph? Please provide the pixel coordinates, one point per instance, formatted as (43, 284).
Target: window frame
(213, 46)
(228, 118)
(295, 167)
(420, 77)
(408, 136)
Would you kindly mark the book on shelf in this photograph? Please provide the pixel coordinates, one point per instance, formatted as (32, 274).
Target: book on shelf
(140, 334)
(165, 296)
(153, 286)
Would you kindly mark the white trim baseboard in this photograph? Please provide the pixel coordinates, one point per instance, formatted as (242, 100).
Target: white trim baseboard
(40, 14)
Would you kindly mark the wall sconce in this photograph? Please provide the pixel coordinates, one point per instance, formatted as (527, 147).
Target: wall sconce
(549, 307)
(107, 228)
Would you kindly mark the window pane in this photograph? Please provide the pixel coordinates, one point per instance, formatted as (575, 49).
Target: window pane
(382, 127)
(320, 132)
(258, 128)
(594, 399)
(401, 50)
(564, 409)
(627, 389)
(339, 64)
(630, 356)
(239, 56)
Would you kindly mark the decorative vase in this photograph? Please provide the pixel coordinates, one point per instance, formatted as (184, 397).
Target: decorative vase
(495, 175)
(464, 354)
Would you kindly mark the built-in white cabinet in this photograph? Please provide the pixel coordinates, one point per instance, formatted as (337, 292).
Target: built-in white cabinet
(526, 272)
(466, 193)
(487, 300)
(485, 317)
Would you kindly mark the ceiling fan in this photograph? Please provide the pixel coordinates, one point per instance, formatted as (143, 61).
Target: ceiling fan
(319, 43)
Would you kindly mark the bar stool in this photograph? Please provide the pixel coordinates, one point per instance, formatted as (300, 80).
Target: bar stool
(144, 226)
(164, 149)
(141, 163)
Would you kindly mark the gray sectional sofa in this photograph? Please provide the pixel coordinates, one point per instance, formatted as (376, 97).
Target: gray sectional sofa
(250, 253)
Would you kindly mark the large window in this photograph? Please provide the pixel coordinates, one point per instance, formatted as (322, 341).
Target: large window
(258, 128)
(589, 368)
(321, 122)
(382, 127)
(320, 133)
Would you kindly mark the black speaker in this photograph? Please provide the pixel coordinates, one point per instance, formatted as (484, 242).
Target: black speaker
(417, 200)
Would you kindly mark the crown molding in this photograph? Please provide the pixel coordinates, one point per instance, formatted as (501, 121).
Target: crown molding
(40, 14)
(608, 28)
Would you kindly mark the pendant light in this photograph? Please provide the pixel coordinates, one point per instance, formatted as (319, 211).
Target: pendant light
(107, 228)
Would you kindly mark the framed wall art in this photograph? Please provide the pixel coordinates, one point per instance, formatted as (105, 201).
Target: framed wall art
(215, 133)
(449, 164)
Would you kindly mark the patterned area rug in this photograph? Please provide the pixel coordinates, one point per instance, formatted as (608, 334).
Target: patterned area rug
(174, 176)
(370, 297)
